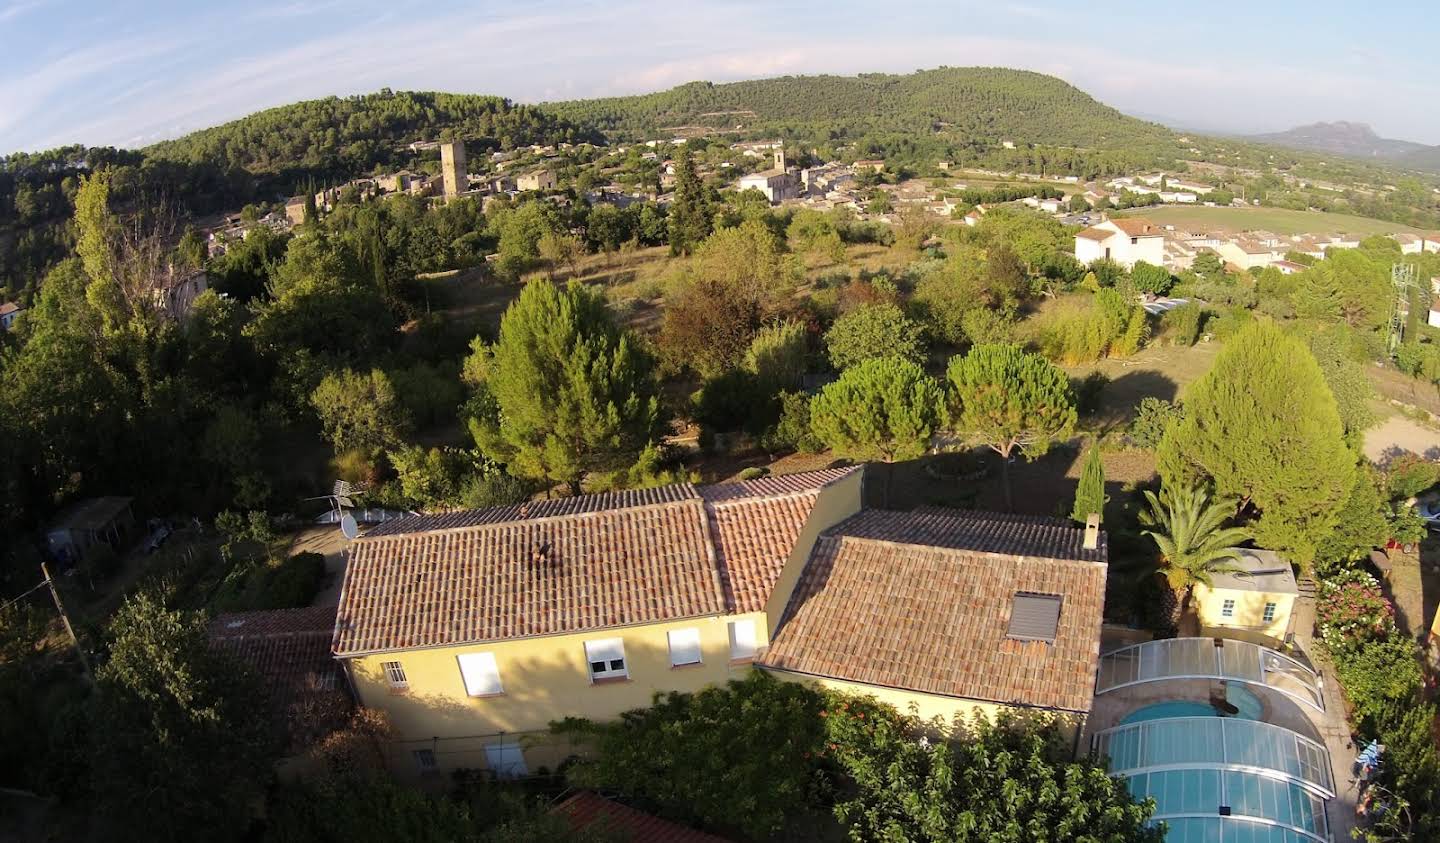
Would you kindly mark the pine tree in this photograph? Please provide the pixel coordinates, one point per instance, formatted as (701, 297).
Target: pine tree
(1010, 400)
(690, 220)
(572, 393)
(1090, 494)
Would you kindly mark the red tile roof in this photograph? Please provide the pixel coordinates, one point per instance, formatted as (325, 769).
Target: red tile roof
(8, 308)
(1093, 233)
(290, 650)
(922, 601)
(588, 811)
(1137, 227)
(591, 562)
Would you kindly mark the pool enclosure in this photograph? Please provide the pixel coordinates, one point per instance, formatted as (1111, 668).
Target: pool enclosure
(1209, 658)
(1223, 780)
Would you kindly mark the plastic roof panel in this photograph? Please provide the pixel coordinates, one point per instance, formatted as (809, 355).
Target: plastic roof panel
(1217, 743)
(1191, 802)
(1209, 658)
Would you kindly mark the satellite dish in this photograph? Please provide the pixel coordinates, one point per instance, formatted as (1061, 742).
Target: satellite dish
(348, 527)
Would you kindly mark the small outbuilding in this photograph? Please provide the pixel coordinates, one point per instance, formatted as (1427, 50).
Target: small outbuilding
(1254, 604)
(88, 522)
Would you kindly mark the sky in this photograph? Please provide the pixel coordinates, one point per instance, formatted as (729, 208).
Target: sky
(128, 73)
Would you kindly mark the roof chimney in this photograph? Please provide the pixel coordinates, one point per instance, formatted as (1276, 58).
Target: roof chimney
(1092, 531)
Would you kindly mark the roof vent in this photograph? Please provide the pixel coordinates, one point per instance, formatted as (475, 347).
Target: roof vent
(1034, 617)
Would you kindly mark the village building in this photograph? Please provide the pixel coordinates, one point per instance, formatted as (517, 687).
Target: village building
(454, 175)
(9, 312)
(176, 291)
(777, 183)
(474, 630)
(536, 180)
(1249, 253)
(1125, 240)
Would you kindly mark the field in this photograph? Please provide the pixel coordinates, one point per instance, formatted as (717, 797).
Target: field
(1278, 220)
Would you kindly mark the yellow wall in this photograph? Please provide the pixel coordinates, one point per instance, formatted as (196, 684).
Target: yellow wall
(544, 679)
(1249, 611)
(836, 502)
(547, 678)
(925, 706)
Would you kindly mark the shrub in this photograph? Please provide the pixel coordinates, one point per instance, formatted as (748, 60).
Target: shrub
(754, 472)
(1149, 278)
(792, 431)
(1226, 323)
(1152, 417)
(295, 582)
(1410, 475)
(735, 401)
(1088, 391)
(1182, 324)
(867, 333)
(1352, 608)
(1107, 326)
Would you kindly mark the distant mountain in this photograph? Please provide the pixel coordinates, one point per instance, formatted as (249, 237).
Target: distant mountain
(985, 104)
(1356, 140)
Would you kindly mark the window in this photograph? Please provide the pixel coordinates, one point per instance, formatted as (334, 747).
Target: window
(1134, 241)
(396, 674)
(1269, 614)
(425, 760)
(684, 646)
(1034, 617)
(482, 677)
(742, 640)
(607, 658)
(1227, 609)
(506, 760)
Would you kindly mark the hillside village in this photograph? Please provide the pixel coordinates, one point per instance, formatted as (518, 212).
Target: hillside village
(696, 481)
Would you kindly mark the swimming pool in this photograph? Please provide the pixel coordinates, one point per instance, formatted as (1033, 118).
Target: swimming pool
(1248, 705)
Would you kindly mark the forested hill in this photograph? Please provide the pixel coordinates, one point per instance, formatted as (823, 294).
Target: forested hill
(977, 103)
(343, 136)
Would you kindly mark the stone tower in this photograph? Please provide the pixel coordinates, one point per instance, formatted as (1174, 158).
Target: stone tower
(452, 168)
(780, 157)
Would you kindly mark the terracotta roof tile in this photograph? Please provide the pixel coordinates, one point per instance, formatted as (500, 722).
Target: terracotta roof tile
(571, 565)
(1093, 233)
(589, 811)
(1137, 227)
(922, 601)
(290, 650)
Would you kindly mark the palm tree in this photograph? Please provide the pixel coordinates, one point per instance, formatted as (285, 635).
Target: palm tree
(1188, 528)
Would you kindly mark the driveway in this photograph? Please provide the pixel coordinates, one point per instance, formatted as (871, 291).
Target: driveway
(1397, 435)
(328, 542)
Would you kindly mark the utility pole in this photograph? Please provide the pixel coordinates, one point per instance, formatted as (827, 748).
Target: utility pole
(60, 607)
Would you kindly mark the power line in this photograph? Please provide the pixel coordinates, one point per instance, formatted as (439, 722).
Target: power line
(39, 586)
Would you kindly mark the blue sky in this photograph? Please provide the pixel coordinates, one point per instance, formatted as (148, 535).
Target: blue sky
(128, 73)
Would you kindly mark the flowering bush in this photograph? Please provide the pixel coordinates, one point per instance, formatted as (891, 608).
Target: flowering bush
(1352, 609)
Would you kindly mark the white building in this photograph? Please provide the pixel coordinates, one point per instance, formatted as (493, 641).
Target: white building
(776, 183)
(1124, 241)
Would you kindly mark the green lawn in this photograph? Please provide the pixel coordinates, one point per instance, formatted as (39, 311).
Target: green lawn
(1278, 220)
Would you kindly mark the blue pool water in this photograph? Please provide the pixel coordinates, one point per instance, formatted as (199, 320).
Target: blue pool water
(1249, 705)
(1166, 710)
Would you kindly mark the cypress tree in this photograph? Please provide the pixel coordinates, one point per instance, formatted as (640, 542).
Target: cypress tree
(690, 213)
(1263, 425)
(1090, 494)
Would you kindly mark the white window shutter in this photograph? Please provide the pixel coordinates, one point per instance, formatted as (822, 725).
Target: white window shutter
(742, 639)
(684, 646)
(481, 676)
